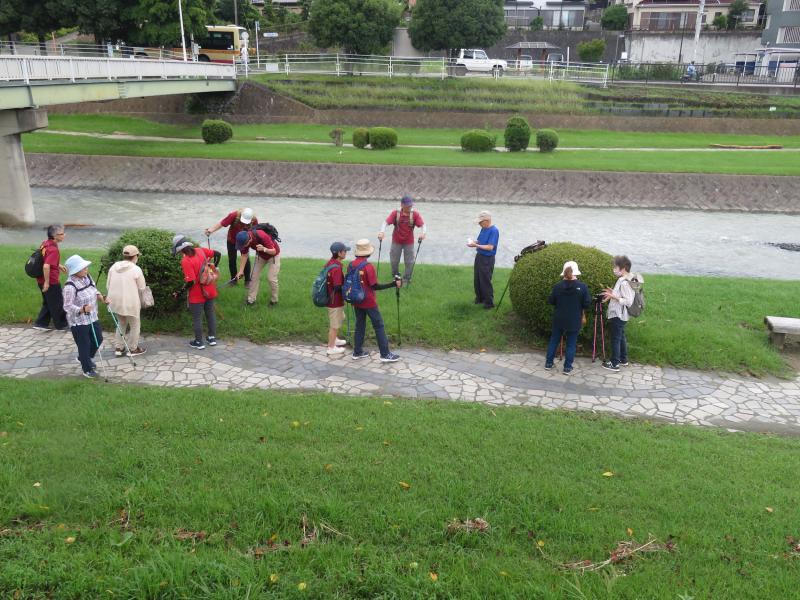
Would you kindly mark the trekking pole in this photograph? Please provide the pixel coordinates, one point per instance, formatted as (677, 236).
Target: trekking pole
(503, 295)
(122, 335)
(414, 263)
(380, 246)
(397, 295)
(96, 343)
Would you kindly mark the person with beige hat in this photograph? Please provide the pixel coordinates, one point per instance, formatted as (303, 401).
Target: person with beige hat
(125, 284)
(485, 251)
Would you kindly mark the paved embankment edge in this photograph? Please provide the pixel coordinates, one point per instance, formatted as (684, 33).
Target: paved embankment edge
(602, 189)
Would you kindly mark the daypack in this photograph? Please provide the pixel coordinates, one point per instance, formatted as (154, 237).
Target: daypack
(352, 290)
(208, 274)
(77, 289)
(410, 219)
(34, 266)
(319, 289)
(267, 228)
(637, 307)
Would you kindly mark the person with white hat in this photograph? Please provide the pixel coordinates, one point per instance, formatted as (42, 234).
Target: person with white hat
(485, 251)
(238, 220)
(570, 298)
(80, 305)
(125, 284)
(403, 221)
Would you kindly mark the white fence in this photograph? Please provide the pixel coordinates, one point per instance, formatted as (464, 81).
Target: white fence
(90, 50)
(29, 69)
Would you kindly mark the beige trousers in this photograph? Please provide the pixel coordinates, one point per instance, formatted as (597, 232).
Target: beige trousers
(135, 323)
(272, 277)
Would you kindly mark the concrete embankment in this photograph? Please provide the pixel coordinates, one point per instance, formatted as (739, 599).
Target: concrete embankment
(748, 193)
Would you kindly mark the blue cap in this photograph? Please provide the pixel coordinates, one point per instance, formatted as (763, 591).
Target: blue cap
(337, 247)
(406, 200)
(242, 240)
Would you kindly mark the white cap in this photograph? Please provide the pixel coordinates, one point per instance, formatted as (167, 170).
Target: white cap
(247, 215)
(575, 270)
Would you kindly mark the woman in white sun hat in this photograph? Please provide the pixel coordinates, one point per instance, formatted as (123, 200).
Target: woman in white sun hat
(80, 305)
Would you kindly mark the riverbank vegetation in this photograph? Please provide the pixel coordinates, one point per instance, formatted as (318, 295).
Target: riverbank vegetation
(718, 325)
(119, 491)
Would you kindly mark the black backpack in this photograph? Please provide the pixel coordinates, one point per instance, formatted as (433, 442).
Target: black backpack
(34, 266)
(267, 228)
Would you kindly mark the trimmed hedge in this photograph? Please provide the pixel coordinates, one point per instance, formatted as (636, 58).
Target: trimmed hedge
(162, 271)
(546, 140)
(216, 131)
(535, 274)
(478, 140)
(382, 138)
(517, 134)
(361, 137)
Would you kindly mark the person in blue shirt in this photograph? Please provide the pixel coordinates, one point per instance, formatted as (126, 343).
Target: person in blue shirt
(570, 298)
(485, 251)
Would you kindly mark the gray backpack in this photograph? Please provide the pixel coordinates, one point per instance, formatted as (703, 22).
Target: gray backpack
(637, 307)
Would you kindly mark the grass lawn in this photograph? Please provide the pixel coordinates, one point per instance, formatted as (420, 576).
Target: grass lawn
(119, 492)
(302, 132)
(718, 326)
(734, 163)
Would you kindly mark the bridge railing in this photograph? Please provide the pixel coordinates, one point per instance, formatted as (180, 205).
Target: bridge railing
(90, 50)
(27, 69)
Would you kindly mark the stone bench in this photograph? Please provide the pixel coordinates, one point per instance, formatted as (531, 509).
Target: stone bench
(780, 327)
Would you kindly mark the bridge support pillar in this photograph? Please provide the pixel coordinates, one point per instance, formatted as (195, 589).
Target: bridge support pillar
(16, 205)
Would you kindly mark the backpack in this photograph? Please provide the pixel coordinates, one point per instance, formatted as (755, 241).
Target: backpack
(319, 289)
(208, 274)
(352, 290)
(637, 307)
(267, 228)
(34, 266)
(410, 219)
(77, 289)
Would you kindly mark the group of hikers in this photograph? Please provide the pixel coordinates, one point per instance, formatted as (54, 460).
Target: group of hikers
(75, 307)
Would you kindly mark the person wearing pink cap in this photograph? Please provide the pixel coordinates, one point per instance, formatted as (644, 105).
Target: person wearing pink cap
(404, 222)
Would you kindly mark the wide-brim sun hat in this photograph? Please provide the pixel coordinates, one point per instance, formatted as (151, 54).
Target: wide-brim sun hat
(575, 270)
(75, 264)
(177, 240)
(364, 247)
(247, 216)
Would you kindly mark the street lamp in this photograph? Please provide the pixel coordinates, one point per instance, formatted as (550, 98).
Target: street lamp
(183, 35)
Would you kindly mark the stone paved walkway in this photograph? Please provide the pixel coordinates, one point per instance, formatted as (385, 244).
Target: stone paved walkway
(662, 394)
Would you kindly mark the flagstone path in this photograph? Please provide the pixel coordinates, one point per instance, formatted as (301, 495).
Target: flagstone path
(662, 394)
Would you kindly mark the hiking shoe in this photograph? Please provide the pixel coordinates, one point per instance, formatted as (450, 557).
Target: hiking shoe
(90, 374)
(211, 340)
(197, 345)
(390, 358)
(137, 351)
(362, 354)
(610, 366)
(624, 364)
(41, 327)
(118, 352)
(91, 362)
(249, 302)
(334, 350)
(567, 370)
(548, 366)
(341, 342)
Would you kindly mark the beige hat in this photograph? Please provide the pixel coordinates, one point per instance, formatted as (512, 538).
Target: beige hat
(364, 248)
(130, 250)
(575, 270)
(484, 215)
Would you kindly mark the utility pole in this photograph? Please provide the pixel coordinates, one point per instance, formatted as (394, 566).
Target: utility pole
(236, 12)
(183, 34)
(698, 24)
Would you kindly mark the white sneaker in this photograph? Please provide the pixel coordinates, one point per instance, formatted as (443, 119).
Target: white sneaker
(341, 342)
(336, 350)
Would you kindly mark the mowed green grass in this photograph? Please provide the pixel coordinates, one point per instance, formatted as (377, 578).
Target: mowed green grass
(717, 325)
(734, 163)
(301, 132)
(99, 483)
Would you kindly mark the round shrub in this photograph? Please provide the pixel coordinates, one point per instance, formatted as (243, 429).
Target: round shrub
(478, 140)
(162, 271)
(216, 131)
(518, 134)
(361, 137)
(547, 140)
(382, 138)
(535, 274)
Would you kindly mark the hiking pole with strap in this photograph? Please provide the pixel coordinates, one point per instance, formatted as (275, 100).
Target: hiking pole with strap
(122, 335)
(397, 295)
(503, 295)
(380, 247)
(414, 264)
(96, 343)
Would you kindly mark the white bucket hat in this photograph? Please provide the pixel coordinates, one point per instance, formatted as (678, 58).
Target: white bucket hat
(575, 270)
(76, 263)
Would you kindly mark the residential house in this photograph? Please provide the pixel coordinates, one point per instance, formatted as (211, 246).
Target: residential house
(555, 14)
(677, 15)
(782, 29)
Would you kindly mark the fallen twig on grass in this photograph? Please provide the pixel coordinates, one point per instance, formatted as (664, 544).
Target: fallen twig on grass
(468, 525)
(625, 550)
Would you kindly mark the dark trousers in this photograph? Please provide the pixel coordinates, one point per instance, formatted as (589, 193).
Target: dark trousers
(484, 268)
(87, 343)
(569, 353)
(361, 329)
(619, 345)
(52, 308)
(197, 309)
(233, 263)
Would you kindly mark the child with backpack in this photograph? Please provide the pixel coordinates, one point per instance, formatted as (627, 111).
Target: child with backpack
(360, 286)
(404, 222)
(80, 305)
(200, 273)
(619, 301)
(328, 293)
(264, 240)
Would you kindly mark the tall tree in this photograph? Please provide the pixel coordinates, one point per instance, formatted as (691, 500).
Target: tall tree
(107, 20)
(159, 24)
(247, 13)
(615, 17)
(358, 26)
(735, 11)
(451, 24)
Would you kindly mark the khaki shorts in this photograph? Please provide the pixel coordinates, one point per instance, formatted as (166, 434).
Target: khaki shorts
(336, 317)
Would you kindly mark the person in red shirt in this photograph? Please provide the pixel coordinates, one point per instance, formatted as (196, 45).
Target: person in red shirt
(200, 297)
(335, 300)
(238, 220)
(267, 254)
(404, 221)
(369, 306)
(50, 283)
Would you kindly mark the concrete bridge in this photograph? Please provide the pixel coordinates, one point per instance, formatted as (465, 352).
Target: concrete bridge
(28, 84)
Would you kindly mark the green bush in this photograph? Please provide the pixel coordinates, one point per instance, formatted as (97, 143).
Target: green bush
(720, 21)
(518, 134)
(546, 140)
(535, 274)
(382, 138)
(216, 131)
(361, 137)
(591, 50)
(615, 18)
(162, 271)
(478, 140)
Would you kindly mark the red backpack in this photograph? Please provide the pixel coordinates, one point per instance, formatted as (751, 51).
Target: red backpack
(208, 273)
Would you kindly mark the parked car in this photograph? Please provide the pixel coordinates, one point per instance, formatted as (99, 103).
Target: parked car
(476, 60)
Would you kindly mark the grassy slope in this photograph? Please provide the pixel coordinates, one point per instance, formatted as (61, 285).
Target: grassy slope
(233, 466)
(718, 326)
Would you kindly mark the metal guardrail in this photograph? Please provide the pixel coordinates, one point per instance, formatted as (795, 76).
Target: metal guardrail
(784, 74)
(89, 50)
(28, 69)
